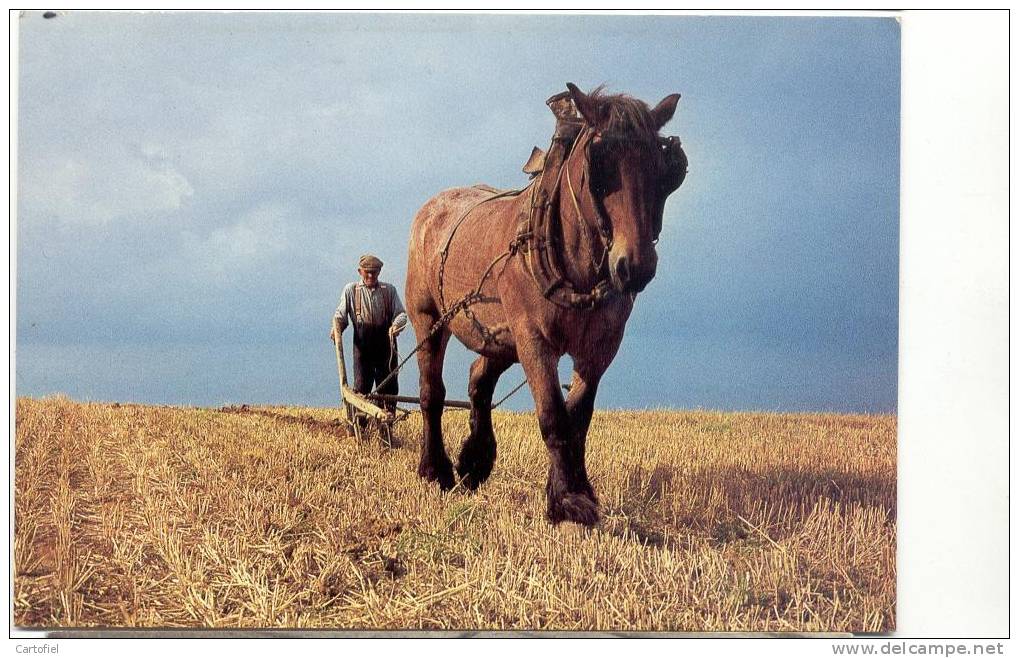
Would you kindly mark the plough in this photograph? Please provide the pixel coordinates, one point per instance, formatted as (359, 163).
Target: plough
(365, 414)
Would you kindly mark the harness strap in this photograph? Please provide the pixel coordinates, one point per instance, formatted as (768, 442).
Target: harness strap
(604, 227)
(449, 239)
(537, 234)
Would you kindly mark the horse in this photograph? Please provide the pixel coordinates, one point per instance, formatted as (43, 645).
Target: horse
(532, 275)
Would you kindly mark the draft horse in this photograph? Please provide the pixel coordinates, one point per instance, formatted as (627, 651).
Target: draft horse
(531, 275)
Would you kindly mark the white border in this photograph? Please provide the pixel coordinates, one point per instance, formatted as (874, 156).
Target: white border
(953, 327)
(953, 405)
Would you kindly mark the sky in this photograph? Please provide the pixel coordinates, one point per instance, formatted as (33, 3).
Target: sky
(194, 190)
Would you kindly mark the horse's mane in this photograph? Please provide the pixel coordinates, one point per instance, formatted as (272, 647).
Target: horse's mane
(624, 114)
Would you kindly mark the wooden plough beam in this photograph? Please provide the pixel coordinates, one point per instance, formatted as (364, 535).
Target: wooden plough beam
(362, 404)
(455, 404)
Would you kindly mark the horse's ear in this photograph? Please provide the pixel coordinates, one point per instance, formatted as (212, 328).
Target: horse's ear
(664, 110)
(587, 107)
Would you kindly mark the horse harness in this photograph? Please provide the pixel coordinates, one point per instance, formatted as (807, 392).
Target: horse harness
(535, 239)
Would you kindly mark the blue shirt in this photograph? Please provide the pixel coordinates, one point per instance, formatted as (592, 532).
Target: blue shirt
(375, 312)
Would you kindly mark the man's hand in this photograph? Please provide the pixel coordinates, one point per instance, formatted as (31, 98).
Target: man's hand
(332, 335)
(395, 331)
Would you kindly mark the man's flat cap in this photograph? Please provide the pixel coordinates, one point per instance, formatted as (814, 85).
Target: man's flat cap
(369, 262)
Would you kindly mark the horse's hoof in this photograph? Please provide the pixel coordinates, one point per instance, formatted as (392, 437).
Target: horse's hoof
(476, 461)
(579, 508)
(441, 473)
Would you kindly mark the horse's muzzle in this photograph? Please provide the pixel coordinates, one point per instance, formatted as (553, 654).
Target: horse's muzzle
(633, 274)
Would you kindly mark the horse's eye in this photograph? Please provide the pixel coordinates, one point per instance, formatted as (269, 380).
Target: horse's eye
(675, 164)
(602, 177)
(602, 167)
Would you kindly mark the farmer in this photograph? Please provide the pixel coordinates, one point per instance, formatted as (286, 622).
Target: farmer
(378, 317)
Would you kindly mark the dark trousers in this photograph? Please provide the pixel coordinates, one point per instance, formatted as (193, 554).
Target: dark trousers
(373, 361)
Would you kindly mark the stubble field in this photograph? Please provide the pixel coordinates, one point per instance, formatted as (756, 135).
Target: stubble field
(167, 517)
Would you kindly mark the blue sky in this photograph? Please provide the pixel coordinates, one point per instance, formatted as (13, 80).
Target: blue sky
(194, 191)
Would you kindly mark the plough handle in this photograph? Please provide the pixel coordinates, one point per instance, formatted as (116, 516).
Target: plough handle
(341, 366)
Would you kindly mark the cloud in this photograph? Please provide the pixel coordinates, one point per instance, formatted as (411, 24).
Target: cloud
(255, 239)
(94, 188)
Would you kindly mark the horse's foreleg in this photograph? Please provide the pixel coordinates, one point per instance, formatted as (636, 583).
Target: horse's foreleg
(435, 464)
(579, 408)
(478, 453)
(569, 494)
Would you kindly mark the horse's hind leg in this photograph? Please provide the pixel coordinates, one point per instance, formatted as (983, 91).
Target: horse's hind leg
(478, 453)
(435, 464)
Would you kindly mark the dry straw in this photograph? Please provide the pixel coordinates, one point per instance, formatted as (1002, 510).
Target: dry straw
(133, 516)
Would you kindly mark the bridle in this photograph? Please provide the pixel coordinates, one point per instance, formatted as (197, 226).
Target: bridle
(603, 224)
(675, 165)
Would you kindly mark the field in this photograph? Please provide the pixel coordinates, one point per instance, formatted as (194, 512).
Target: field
(272, 517)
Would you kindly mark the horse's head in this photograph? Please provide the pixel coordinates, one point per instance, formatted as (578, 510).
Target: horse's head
(628, 171)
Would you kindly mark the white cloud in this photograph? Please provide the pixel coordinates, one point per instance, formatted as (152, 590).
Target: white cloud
(95, 189)
(258, 236)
